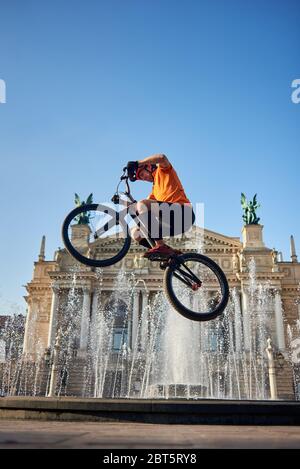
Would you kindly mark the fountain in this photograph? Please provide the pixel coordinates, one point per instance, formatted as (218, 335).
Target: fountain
(161, 355)
(124, 353)
(129, 366)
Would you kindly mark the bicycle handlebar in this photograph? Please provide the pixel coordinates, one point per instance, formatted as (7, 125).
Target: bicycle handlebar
(116, 198)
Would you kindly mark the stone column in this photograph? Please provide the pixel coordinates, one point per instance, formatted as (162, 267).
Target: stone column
(272, 370)
(293, 250)
(54, 367)
(144, 325)
(246, 319)
(279, 322)
(53, 317)
(85, 319)
(26, 343)
(94, 305)
(135, 317)
(238, 321)
(26, 333)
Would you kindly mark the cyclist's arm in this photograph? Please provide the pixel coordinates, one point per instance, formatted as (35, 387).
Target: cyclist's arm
(157, 158)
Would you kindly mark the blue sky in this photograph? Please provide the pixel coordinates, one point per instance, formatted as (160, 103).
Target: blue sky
(93, 84)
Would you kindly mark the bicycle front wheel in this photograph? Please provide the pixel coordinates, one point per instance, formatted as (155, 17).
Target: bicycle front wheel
(92, 232)
(196, 287)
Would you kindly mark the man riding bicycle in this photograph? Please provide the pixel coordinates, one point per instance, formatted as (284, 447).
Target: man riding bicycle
(185, 275)
(167, 193)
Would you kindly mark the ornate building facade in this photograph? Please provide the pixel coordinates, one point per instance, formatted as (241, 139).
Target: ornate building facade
(48, 299)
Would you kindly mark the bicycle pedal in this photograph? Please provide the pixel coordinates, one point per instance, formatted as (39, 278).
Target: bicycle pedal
(158, 257)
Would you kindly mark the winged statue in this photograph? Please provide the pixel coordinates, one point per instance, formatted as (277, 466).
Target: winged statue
(249, 208)
(83, 218)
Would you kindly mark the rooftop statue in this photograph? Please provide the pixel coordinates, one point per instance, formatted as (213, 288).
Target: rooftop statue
(83, 218)
(249, 209)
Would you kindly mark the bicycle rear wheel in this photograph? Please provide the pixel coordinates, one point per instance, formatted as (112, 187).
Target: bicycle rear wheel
(196, 287)
(90, 231)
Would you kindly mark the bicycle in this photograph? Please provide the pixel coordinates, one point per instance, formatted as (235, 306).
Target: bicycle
(194, 284)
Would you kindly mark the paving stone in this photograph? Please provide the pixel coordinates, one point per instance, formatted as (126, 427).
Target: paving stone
(37, 434)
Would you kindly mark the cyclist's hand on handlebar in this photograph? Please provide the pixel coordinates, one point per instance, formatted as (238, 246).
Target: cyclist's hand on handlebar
(132, 165)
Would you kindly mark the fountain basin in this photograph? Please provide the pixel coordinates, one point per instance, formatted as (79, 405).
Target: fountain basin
(173, 411)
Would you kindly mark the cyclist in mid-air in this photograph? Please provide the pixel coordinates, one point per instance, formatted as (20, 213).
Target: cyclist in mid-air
(184, 275)
(166, 189)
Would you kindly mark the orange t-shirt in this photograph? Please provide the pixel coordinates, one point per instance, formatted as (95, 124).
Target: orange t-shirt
(167, 186)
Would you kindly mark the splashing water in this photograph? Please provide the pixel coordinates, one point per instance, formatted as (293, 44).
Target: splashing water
(166, 355)
(139, 347)
(293, 333)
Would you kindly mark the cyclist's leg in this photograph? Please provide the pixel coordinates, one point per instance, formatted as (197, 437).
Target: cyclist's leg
(142, 231)
(136, 235)
(150, 215)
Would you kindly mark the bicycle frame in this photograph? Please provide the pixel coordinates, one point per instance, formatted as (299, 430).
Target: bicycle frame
(189, 278)
(108, 221)
(128, 210)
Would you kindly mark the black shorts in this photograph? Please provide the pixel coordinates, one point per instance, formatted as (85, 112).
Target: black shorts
(166, 219)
